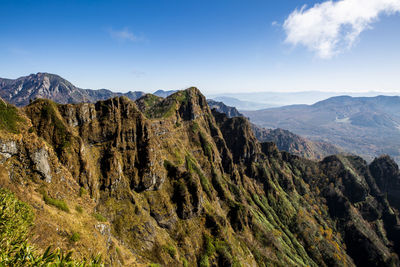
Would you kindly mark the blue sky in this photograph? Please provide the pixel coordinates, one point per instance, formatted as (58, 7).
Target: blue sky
(217, 45)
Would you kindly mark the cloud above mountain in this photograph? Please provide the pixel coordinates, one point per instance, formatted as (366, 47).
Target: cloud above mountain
(123, 35)
(332, 27)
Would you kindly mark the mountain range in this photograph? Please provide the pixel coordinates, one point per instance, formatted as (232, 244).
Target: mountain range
(167, 181)
(367, 126)
(23, 90)
(50, 86)
(263, 100)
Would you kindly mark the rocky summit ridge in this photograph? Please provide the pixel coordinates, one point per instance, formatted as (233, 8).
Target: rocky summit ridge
(51, 86)
(168, 181)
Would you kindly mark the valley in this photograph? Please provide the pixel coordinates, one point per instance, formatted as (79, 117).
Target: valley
(366, 126)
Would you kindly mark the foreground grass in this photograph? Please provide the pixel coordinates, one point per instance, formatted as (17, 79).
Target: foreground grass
(16, 218)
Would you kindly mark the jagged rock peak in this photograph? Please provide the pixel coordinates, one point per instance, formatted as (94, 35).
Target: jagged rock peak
(187, 104)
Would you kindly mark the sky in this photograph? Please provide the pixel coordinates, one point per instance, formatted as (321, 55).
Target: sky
(219, 46)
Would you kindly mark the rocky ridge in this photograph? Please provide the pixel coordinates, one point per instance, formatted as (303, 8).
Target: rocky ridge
(169, 181)
(50, 86)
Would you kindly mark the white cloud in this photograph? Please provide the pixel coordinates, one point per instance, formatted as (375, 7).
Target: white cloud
(138, 73)
(123, 35)
(330, 28)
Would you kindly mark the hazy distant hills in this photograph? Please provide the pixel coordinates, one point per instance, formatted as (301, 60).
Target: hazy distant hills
(45, 85)
(242, 104)
(368, 126)
(262, 100)
(164, 94)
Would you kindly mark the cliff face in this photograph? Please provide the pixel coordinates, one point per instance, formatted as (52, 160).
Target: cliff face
(170, 182)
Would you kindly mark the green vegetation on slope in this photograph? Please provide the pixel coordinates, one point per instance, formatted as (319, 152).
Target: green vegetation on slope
(9, 117)
(16, 217)
(58, 203)
(49, 113)
(165, 108)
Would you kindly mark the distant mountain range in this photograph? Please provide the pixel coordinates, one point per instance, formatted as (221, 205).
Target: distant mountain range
(51, 86)
(262, 100)
(162, 93)
(45, 85)
(368, 126)
(242, 104)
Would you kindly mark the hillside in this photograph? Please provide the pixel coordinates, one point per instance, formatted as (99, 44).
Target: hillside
(167, 181)
(295, 144)
(367, 126)
(263, 100)
(50, 86)
(222, 108)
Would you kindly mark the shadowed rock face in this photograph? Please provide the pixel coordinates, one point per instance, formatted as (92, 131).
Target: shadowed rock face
(387, 176)
(177, 183)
